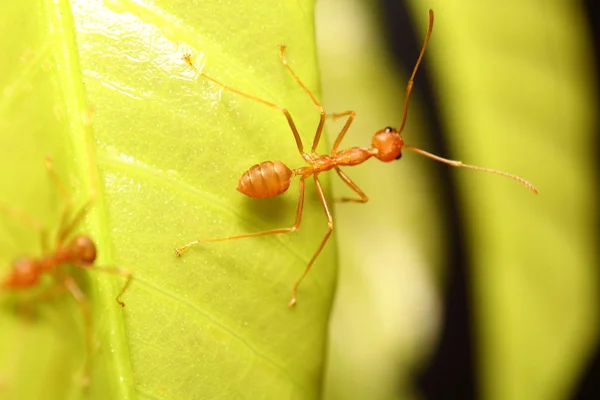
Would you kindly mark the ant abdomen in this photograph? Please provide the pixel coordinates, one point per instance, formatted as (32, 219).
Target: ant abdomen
(24, 273)
(264, 180)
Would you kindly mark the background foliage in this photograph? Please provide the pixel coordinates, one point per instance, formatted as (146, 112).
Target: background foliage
(515, 85)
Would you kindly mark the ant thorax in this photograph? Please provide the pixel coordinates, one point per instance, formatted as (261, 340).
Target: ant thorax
(353, 156)
(319, 163)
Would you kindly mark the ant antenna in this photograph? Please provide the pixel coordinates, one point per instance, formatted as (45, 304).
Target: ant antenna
(453, 163)
(460, 164)
(411, 81)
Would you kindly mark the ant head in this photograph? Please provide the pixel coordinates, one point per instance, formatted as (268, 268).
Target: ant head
(388, 143)
(25, 272)
(84, 249)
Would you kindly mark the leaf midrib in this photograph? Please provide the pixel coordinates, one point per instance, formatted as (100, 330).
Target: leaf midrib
(64, 48)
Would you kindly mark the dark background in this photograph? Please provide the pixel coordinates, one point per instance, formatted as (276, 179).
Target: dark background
(451, 372)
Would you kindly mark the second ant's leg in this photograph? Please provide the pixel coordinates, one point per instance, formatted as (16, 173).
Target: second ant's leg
(66, 227)
(314, 257)
(352, 185)
(188, 59)
(22, 216)
(28, 220)
(87, 320)
(26, 306)
(115, 271)
(180, 250)
(65, 194)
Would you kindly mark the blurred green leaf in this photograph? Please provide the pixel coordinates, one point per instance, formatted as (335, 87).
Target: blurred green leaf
(101, 87)
(516, 92)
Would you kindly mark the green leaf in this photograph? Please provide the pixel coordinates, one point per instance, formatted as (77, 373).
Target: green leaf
(101, 87)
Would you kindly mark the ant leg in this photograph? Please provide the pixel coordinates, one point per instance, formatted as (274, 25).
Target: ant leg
(61, 187)
(411, 81)
(340, 136)
(339, 115)
(352, 185)
(26, 307)
(324, 115)
(308, 92)
(296, 225)
(22, 217)
(65, 194)
(314, 257)
(70, 283)
(188, 59)
(115, 271)
(28, 220)
(66, 227)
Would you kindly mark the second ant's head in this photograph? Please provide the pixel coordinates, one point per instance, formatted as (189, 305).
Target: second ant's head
(84, 249)
(388, 144)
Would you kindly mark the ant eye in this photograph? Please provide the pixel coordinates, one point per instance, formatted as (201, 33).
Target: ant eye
(399, 156)
(388, 129)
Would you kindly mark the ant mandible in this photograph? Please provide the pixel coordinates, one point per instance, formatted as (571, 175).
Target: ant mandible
(79, 252)
(272, 178)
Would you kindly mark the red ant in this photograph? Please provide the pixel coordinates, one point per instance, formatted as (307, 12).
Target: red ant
(271, 178)
(79, 252)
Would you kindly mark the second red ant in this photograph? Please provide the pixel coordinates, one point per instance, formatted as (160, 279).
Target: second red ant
(272, 178)
(78, 251)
